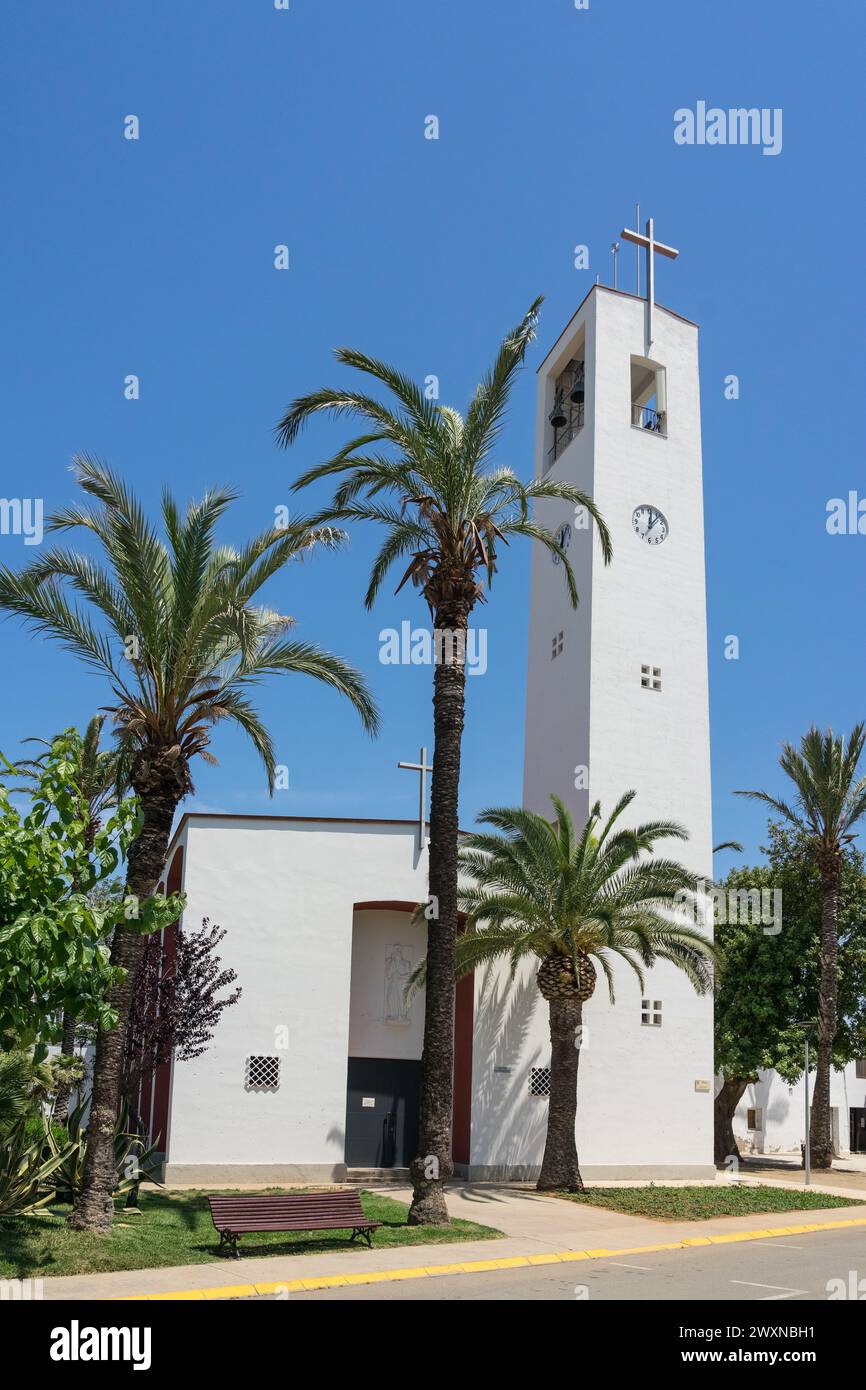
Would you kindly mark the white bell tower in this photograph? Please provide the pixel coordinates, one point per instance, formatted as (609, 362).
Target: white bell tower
(617, 692)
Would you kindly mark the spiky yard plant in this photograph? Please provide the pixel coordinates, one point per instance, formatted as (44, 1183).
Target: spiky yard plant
(426, 473)
(536, 888)
(174, 626)
(829, 801)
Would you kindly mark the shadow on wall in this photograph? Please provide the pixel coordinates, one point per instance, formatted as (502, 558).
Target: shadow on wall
(508, 1125)
(337, 1135)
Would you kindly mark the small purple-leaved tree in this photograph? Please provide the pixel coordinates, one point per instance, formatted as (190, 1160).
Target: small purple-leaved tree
(178, 1000)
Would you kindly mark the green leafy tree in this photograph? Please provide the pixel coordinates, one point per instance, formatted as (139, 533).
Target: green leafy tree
(53, 952)
(829, 801)
(535, 888)
(97, 784)
(172, 622)
(426, 474)
(771, 979)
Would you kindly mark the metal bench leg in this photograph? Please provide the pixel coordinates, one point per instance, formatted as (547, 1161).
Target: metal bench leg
(229, 1244)
(358, 1231)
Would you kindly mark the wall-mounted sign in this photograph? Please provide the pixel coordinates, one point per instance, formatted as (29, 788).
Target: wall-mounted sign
(506, 1070)
(702, 1085)
(368, 1102)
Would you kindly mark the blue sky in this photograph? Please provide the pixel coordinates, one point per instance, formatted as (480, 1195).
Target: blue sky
(306, 127)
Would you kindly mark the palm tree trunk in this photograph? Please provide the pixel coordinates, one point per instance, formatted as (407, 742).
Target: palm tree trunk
(433, 1165)
(820, 1133)
(726, 1103)
(560, 1171)
(67, 1048)
(160, 790)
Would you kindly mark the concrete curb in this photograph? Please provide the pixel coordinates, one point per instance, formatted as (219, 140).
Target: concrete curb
(331, 1281)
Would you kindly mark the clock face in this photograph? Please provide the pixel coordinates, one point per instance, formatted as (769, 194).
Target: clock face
(563, 540)
(650, 524)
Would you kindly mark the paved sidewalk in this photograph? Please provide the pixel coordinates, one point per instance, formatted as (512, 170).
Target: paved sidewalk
(847, 1177)
(538, 1230)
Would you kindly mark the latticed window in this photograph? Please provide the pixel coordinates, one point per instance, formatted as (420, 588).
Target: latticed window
(557, 643)
(651, 1013)
(651, 677)
(539, 1081)
(263, 1073)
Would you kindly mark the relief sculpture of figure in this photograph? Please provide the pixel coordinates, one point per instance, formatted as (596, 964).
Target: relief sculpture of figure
(398, 968)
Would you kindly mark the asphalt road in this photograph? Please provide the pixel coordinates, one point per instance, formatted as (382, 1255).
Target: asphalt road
(787, 1269)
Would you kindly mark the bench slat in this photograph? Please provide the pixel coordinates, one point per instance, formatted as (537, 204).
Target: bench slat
(246, 1227)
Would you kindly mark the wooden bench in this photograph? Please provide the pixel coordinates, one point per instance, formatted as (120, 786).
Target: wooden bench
(300, 1211)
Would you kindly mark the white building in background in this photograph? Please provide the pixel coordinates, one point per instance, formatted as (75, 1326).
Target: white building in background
(315, 1070)
(771, 1116)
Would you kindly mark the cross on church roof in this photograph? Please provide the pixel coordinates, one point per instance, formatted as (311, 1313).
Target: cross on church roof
(422, 767)
(651, 246)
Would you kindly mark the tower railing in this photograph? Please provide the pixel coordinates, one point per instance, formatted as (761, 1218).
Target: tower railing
(643, 417)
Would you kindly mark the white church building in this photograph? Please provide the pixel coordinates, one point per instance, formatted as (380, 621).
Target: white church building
(771, 1116)
(314, 1073)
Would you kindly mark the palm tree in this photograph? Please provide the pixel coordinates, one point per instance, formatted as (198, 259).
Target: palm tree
(95, 786)
(534, 888)
(425, 472)
(829, 801)
(191, 643)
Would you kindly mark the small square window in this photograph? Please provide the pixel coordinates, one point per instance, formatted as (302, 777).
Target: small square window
(861, 1070)
(263, 1073)
(754, 1119)
(651, 1013)
(539, 1081)
(651, 677)
(556, 647)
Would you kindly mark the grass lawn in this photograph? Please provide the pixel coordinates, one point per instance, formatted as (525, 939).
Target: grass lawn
(701, 1203)
(175, 1228)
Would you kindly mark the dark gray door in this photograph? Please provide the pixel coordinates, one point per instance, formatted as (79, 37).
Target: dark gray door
(858, 1131)
(381, 1112)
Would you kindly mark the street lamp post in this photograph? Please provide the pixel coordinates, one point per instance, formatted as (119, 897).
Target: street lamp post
(807, 1151)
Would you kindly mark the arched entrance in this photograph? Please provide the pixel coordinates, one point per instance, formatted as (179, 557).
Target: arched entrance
(386, 1038)
(386, 1035)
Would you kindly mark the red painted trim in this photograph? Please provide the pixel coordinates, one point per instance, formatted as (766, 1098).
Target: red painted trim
(161, 1095)
(464, 1026)
(175, 873)
(385, 905)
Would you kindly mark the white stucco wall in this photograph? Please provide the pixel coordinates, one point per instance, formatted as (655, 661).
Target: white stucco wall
(783, 1110)
(284, 890)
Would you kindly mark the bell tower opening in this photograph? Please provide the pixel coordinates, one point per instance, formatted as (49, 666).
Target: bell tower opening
(566, 415)
(648, 396)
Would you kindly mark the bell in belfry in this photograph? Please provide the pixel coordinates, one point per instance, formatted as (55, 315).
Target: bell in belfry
(558, 417)
(575, 395)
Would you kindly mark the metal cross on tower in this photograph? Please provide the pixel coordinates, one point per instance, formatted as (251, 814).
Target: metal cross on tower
(422, 768)
(651, 246)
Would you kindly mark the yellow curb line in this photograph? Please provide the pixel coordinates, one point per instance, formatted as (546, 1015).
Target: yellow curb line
(383, 1276)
